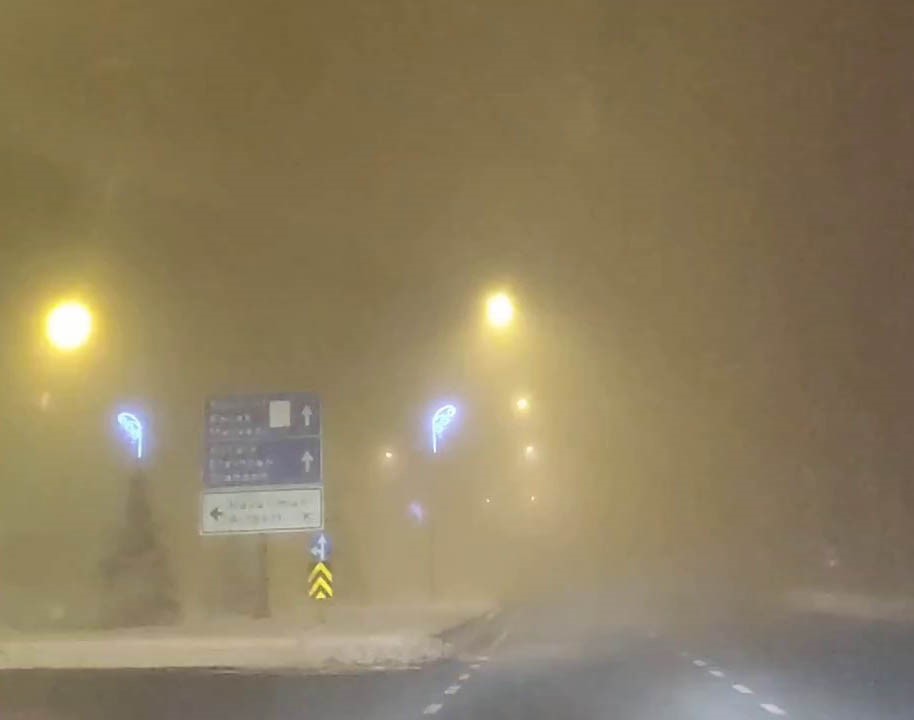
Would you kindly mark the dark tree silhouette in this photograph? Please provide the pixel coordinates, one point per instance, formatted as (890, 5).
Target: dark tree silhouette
(138, 586)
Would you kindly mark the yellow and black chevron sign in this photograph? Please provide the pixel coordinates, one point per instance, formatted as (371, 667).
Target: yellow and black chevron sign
(320, 582)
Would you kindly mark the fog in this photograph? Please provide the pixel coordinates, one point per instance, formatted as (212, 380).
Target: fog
(701, 211)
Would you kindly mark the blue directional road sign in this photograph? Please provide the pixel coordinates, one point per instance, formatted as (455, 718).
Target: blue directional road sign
(321, 547)
(263, 417)
(263, 440)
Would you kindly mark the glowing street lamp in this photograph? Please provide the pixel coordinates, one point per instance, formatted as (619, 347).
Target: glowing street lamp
(133, 429)
(388, 455)
(68, 326)
(500, 310)
(441, 419)
(522, 404)
(529, 452)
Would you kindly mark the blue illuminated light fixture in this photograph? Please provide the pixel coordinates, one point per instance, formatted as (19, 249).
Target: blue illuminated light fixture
(133, 428)
(416, 511)
(442, 418)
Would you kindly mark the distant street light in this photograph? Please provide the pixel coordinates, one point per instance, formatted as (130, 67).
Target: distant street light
(417, 511)
(133, 429)
(500, 310)
(533, 498)
(488, 501)
(69, 325)
(388, 455)
(529, 452)
(522, 404)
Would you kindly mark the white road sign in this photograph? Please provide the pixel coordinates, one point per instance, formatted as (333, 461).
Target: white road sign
(292, 509)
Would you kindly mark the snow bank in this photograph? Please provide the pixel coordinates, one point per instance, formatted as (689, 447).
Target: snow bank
(855, 605)
(347, 637)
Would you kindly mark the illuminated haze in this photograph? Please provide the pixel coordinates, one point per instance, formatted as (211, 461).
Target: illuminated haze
(701, 210)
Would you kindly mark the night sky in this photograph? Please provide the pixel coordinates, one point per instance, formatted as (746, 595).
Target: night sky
(703, 210)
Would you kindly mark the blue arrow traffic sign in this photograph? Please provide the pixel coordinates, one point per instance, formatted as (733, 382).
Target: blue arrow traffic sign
(321, 548)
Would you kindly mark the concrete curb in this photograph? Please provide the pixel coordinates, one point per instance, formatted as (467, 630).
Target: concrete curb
(311, 648)
(898, 609)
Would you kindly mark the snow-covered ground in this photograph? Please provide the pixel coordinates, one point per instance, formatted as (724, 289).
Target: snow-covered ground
(899, 608)
(346, 637)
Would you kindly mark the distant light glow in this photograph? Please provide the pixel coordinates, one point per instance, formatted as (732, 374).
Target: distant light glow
(388, 455)
(533, 498)
(529, 451)
(488, 500)
(500, 310)
(416, 511)
(133, 428)
(522, 404)
(442, 418)
(69, 325)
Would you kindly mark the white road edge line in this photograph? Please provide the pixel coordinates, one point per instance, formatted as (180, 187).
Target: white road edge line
(498, 641)
(742, 689)
(432, 709)
(465, 676)
(699, 663)
(717, 673)
(452, 690)
(773, 709)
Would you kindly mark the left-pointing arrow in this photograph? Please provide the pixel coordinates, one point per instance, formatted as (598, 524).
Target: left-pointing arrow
(216, 513)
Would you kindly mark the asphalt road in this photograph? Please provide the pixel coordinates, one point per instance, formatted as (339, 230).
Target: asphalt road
(537, 662)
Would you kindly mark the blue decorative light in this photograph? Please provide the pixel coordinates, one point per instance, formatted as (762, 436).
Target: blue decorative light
(416, 511)
(443, 417)
(132, 426)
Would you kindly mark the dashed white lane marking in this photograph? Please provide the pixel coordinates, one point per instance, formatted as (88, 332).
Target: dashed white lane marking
(452, 690)
(465, 676)
(699, 663)
(485, 658)
(717, 673)
(742, 689)
(475, 666)
(774, 709)
(432, 709)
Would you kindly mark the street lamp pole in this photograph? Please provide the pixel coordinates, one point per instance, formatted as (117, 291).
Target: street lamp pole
(442, 418)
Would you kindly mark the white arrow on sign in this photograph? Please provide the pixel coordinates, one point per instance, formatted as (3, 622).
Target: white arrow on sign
(306, 413)
(307, 459)
(320, 549)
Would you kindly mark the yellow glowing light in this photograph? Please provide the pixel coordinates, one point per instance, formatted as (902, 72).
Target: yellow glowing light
(522, 404)
(69, 326)
(529, 451)
(500, 310)
(389, 455)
